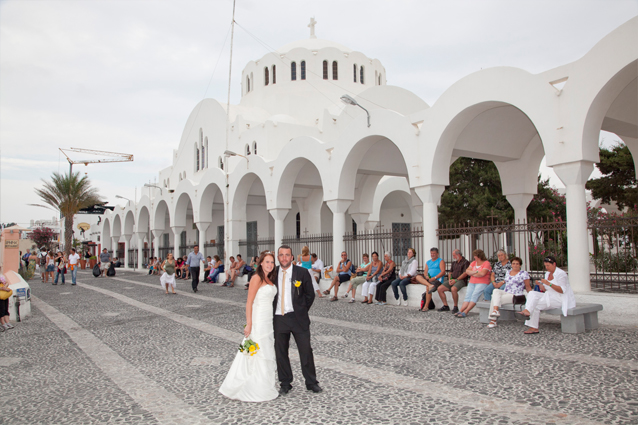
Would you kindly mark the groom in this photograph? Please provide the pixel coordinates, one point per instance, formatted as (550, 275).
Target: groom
(295, 295)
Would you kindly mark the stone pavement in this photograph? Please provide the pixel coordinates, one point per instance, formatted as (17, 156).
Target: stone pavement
(118, 350)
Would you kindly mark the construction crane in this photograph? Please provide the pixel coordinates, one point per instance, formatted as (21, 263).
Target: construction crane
(114, 157)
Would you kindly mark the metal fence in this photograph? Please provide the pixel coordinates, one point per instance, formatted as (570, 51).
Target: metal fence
(132, 258)
(252, 248)
(164, 251)
(215, 248)
(614, 253)
(320, 244)
(396, 243)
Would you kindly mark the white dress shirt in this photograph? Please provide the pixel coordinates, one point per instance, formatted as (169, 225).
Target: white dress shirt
(318, 265)
(287, 286)
(74, 258)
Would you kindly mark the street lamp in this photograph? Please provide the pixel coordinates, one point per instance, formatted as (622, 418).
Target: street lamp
(152, 185)
(349, 100)
(121, 197)
(231, 153)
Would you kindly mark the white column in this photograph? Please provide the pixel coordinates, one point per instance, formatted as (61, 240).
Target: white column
(520, 202)
(360, 219)
(202, 227)
(177, 231)
(370, 225)
(430, 195)
(127, 244)
(156, 241)
(279, 214)
(338, 208)
(574, 175)
(114, 241)
(140, 250)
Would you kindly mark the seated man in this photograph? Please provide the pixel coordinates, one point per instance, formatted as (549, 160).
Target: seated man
(208, 267)
(316, 271)
(230, 267)
(457, 279)
(432, 276)
(236, 270)
(117, 262)
(343, 275)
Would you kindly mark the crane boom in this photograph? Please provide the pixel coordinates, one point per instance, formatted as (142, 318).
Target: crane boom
(115, 157)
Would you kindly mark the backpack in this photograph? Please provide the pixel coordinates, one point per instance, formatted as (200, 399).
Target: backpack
(353, 269)
(25, 257)
(111, 270)
(430, 306)
(96, 271)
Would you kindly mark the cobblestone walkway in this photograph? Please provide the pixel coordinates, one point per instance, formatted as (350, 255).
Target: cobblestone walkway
(118, 350)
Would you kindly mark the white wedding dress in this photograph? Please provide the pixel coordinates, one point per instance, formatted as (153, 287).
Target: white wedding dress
(252, 378)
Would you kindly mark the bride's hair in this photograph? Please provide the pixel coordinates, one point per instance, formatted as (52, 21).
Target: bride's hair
(260, 270)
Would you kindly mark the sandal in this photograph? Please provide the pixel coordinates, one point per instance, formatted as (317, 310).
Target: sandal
(492, 324)
(495, 313)
(351, 300)
(334, 299)
(365, 302)
(461, 315)
(326, 292)
(530, 332)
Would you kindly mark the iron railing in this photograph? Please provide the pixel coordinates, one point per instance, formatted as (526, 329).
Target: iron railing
(320, 244)
(252, 248)
(396, 243)
(164, 251)
(214, 248)
(132, 258)
(613, 253)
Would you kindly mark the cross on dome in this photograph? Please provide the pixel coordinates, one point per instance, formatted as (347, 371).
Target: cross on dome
(311, 25)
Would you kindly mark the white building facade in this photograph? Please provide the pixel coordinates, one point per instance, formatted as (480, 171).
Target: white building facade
(310, 163)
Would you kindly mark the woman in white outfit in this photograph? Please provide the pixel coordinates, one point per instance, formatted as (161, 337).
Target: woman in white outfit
(555, 293)
(168, 277)
(370, 285)
(252, 378)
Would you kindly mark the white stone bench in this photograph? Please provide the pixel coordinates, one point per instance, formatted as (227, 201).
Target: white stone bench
(414, 294)
(239, 281)
(580, 318)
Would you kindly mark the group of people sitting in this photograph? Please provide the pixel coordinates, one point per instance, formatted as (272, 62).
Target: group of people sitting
(503, 282)
(182, 271)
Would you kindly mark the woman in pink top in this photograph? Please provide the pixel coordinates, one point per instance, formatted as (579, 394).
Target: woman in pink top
(479, 272)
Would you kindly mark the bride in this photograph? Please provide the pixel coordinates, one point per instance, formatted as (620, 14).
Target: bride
(252, 378)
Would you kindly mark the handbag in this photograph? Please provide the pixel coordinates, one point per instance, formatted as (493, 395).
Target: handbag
(4, 295)
(520, 300)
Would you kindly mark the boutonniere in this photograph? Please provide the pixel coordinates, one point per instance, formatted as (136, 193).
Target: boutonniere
(297, 284)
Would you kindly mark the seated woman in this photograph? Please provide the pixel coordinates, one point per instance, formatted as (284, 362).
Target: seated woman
(385, 279)
(363, 270)
(151, 264)
(217, 268)
(157, 267)
(432, 276)
(555, 293)
(185, 268)
(515, 284)
(236, 270)
(370, 285)
(480, 273)
(407, 271)
(178, 267)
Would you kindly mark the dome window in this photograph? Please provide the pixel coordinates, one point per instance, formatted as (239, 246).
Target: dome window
(247, 148)
(361, 71)
(255, 148)
(325, 70)
(196, 158)
(335, 75)
(266, 79)
(303, 70)
(293, 71)
(274, 74)
(355, 72)
(247, 84)
(220, 163)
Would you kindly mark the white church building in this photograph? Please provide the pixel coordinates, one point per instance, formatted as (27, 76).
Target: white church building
(293, 157)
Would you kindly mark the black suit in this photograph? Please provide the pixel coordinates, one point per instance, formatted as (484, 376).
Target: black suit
(297, 323)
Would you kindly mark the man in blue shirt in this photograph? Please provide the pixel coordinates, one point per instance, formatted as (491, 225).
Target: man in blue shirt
(193, 261)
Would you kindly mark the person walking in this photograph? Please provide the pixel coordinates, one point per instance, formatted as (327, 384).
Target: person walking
(60, 262)
(4, 307)
(74, 258)
(42, 257)
(168, 277)
(192, 262)
(105, 261)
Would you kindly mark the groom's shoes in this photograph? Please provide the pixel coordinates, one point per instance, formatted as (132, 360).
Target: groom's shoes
(314, 388)
(285, 390)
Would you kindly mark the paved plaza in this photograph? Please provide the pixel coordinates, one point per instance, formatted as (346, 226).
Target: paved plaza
(118, 350)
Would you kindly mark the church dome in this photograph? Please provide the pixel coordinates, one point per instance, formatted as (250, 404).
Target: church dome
(313, 44)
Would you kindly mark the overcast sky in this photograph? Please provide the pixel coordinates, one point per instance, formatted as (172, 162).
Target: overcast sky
(123, 76)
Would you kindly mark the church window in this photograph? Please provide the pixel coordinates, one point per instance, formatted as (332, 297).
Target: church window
(274, 74)
(303, 70)
(361, 70)
(293, 71)
(196, 158)
(220, 163)
(266, 76)
(204, 157)
(247, 84)
(247, 149)
(335, 75)
(325, 70)
(255, 148)
(355, 72)
(379, 79)
(298, 225)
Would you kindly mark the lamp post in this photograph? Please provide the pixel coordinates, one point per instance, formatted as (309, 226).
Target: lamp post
(349, 100)
(121, 197)
(152, 185)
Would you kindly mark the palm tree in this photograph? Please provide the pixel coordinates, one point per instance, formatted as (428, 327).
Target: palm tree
(68, 193)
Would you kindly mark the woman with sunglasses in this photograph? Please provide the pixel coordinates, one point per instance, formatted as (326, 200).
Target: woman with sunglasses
(555, 292)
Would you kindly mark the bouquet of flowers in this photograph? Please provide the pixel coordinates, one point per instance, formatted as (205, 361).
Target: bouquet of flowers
(248, 347)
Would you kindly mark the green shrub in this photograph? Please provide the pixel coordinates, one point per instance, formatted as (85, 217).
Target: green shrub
(621, 262)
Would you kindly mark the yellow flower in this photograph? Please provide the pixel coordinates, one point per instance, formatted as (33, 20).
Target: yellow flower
(297, 283)
(257, 345)
(251, 348)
